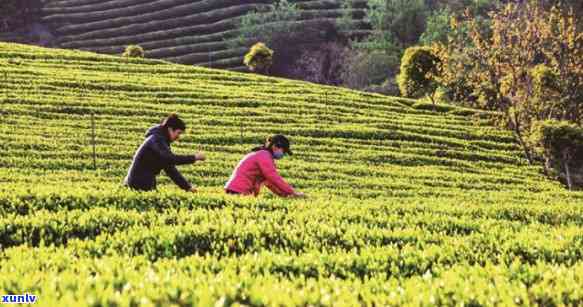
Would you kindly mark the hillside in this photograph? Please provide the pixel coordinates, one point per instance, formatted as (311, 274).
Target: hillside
(181, 31)
(406, 207)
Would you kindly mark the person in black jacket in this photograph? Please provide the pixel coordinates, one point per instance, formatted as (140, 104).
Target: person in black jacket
(154, 155)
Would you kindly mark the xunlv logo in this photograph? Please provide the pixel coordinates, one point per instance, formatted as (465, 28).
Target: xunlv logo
(19, 299)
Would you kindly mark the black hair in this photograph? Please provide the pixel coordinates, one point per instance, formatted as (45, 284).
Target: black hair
(172, 121)
(267, 146)
(275, 140)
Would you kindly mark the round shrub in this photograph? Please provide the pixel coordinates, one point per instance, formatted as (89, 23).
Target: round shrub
(259, 58)
(133, 51)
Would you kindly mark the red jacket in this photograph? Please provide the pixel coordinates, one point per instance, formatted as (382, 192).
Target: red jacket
(254, 170)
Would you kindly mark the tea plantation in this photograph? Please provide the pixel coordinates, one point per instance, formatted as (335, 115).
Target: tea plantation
(182, 31)
(406, 206)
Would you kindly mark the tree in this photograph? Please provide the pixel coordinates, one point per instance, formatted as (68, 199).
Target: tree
(545, 91)
(398, 24)
(403, 19)
(499, 64)
(365, 68)
(420, 73)
(438, 28)
(270, 24)
(281, 27)
(374, 59)
(561, 145)
(259, 58)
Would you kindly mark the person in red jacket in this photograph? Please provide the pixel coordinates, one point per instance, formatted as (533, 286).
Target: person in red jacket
(258, 168)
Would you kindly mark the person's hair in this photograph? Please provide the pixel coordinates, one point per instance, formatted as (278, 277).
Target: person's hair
(278, 140)
(267, 146)
(172, 121)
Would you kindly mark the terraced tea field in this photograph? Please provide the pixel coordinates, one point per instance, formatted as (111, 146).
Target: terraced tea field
(182, 31)
(406, 206)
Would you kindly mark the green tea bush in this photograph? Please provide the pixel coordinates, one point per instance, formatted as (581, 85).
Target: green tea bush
(133, 51)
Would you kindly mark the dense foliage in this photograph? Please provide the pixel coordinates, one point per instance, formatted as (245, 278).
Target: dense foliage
(528, 65)
(420, 73)
(561, 144)
(271, 24)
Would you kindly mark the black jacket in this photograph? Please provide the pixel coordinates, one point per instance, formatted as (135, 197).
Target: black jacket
(152, 157)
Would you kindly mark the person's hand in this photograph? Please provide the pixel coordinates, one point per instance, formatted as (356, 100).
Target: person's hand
(299, 195)
(199, 156)
(193, 190)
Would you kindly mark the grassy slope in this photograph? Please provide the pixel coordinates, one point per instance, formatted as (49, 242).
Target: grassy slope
(399, 196)
(182, 31)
